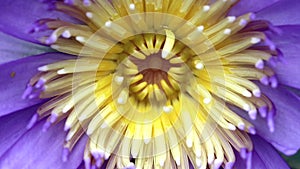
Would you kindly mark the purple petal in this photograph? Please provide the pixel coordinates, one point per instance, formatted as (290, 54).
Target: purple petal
(12, 48)
(37, 149)
(285, 12)
(289, 43)
(81, 166)
(293, 90)
(12, 127)
(264, 156)
(18, 16)
(245, 6)
(287, 134)
(14, 77)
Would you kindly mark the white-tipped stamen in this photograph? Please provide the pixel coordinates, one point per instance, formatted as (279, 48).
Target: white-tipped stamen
(227, 31)
(206, 8)
(255, 40)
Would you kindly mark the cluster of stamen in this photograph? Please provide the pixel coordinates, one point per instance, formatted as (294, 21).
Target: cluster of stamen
(153, 82)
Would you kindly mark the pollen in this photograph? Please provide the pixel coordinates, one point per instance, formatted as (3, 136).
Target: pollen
(152, 82)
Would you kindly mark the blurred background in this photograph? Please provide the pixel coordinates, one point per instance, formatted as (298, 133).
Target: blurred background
(293, 161)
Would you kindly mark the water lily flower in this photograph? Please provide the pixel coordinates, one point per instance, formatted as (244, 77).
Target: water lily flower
(149, 83)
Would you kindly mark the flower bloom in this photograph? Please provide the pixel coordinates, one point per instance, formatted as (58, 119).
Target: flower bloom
(151, 84)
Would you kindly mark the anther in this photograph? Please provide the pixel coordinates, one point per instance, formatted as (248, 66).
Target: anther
(168, 109)
(198, 162)
(177, 160)
(108, 24)
(231, 18)
(243, 153)
(200, 28)
(249, 160)
(69, 2)
(119, 79)
(87, 3)
(55, 47)
(274, 82)
(198, 65)
(80, 39)
(51, 39)
(246, 93)
(231, 127)
(67, 127)
(123, 97)
(217, 164)
(206, 8)
(53, 118)
(246, 107)
(229, 165)
(46, 126)
(270, 121)
(32, 121)
(243, 22)
(40, 83)
(61, 71)
(66, 34)
(255, 40)
(89, 14)
(264, 80)
(241, 126)
(227, 31)
(207, 100)
(252, 16)
(65, 154)
(132, 7)
(263, 111)
(259, 64)
(87, 162)
(67, 108)
(27, 91)
(252, 114)
(252, 130)
(189, 143)
(256, 93)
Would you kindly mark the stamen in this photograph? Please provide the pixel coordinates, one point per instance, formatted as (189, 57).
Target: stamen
(32, 121)
(89, 15)
(108, 24)
(227, 31)
(87, 3)
(169, 44)
(206, 8)
(66, 34)
(168, 88)
(80, 39)
(132, 7)
(231, 18)
(255, 40)
(199, 65)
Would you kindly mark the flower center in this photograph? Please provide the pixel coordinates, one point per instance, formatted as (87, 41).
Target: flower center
(154, 80)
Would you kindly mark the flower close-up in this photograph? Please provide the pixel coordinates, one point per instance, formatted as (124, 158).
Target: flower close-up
(149, 84)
